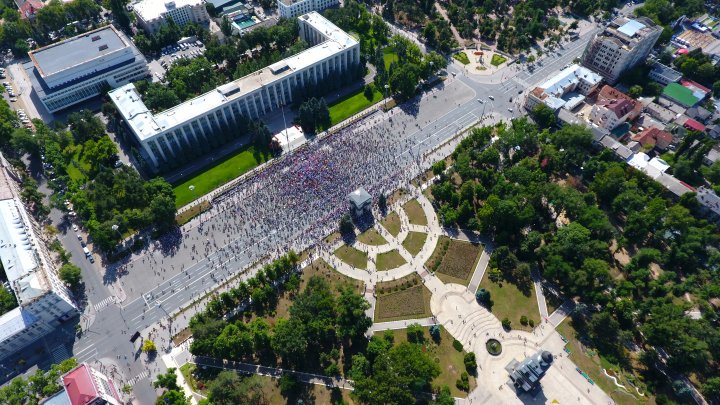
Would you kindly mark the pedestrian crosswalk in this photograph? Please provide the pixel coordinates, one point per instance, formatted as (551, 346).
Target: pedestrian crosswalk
(134, 380)
(104, 303)
(59, 353)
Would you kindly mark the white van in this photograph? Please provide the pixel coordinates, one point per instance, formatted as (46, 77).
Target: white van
(87, 252)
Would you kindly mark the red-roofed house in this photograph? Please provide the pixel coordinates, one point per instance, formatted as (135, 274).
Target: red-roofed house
(86, 386)
(28, 8)
(654, 137)
(608, 114)
(693, 125)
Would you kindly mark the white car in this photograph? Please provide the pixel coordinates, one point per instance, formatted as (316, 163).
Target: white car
(75, 228)
(491, 97)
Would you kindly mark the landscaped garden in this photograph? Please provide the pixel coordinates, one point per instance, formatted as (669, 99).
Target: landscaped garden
(371, 237)
(389, 260)
(389, 56)
(497, 60)
(450, 360)
(213, 177)
(391, 223)
(405, 298)
(414, 242)
(415, 213)
(353, 104)
(511, 303)
(453, 261)
(350, 255)
(461, 57)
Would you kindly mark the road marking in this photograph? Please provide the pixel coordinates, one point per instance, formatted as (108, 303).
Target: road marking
(104, 303)
(134, 380)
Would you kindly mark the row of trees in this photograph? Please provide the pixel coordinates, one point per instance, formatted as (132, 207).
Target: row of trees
(37, 386)
(526, 191)
(55, 16)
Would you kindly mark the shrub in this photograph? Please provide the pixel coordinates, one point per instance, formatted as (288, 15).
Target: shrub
(463, 383)
(506, 323)
(523, 320)
(415, 333)
(457, 345)
(435, 333)
(470, 363)
(532, 323)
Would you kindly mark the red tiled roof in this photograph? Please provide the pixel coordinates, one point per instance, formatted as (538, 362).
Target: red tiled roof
(653, 136)
(79, 385)
(28, 8)
(608, 93)
(694, 125)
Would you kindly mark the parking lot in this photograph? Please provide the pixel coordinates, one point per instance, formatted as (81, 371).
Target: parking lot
(171, 54)
(11, 98)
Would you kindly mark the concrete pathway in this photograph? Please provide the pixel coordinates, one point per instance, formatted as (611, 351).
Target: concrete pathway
(479, 272)
(380, 326)
(539, 294)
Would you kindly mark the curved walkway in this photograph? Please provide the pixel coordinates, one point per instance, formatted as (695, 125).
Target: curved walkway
(454, 306)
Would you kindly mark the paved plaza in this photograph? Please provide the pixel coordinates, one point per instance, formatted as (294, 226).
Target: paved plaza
(292, 203)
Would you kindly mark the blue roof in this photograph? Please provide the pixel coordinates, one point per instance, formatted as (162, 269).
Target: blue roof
(631, 27)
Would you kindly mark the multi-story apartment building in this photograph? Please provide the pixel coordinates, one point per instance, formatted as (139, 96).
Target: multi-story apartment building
(151, 14)
(622, 45)
(43, 300)
(81, 67)
(294, 8)
(162, 136)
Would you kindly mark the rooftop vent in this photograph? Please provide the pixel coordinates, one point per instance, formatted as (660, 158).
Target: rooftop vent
(96, 38)
(103, 47)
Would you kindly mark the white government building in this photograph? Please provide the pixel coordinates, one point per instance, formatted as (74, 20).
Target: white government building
(79, 68)
(44, 301)
(294, 8)
(162, 135)
(151, 14)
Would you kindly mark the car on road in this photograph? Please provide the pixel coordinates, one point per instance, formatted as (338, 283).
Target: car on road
(520, 91)
(75, 228)
(510, 109)
(491, 97)
(480, 101)
(78, 236)
(13, 99)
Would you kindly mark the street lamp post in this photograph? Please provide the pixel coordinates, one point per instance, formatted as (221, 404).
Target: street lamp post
(386, 87)
(116, 229)
(192, 190)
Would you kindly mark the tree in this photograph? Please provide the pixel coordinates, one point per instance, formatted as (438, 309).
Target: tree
(544, 116)
(352, 322)
(229, 389)
(470, 363)
(415, 333)
(393, 374)
(167, 380)
(382, 202)
(438, 167)
(444, 397)
(84, 125)
(172, 397)
(100, 152)
(635, 91)
(226, 26)
(289, 340)
(711, 387)
(369, 93)
(404, 80)
(313, 114)
(483, 296)
(149, 346)
(506, 324)
(346, 225)
(70, 274)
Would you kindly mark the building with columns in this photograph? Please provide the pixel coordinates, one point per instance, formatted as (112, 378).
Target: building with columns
(294, 8)
(161, 136)
(152, 14)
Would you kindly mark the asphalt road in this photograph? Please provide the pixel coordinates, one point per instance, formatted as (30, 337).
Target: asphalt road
(152, 297)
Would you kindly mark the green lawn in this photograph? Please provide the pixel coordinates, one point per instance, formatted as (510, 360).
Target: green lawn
(389, 260)
(215, 176)
(352, 256)
(404, 298)
(389, 56)
(415, 213)
(461, 57)
(352, 104)
(371, 237)
(414, 242)
(451, 361)
(497, 60)
(391, 222)
(509, 302)
(72, 170)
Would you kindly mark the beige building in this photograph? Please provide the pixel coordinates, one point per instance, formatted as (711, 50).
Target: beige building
(294, 8)
(624, 44)
(151, 14)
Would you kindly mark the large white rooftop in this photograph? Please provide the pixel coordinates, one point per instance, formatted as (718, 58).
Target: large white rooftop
(14, 321)
(557, 86)
(146, 125)
(152, 9)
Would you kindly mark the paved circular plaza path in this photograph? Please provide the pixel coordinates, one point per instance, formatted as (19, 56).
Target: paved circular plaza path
(454, 306)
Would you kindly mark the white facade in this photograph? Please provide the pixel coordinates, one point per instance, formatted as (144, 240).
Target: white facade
(624, 44)
(44, 301)
(564, 90)
(79, 68)
(163, 135)
(608, 115)
(151, 14)
(294, 8)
